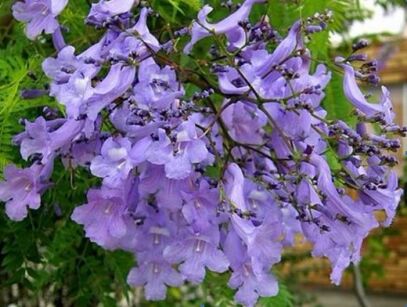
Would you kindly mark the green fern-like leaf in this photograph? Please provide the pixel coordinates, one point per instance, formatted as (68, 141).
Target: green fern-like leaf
(14, 70)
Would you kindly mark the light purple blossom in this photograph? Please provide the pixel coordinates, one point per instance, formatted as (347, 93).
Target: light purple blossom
(137, 43)
(283, 50)
(245, 122)
(155, 274)
(356, 97)
(157, 88)
(228, 26)
(197, 251)
(158, 189)
(75, 93)
(199, 208)
(105, 218)
(153, 271)
(263, 246)
(115, 84)
(176, 155)
(250, 285)
(44, 138)
(234, 186)
(141, 30)
(105, 9)
(22, 189)
(60, 69)
(114, 163)
(39, 15)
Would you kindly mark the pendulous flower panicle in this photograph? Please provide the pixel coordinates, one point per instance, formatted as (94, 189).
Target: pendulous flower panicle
(216, 166)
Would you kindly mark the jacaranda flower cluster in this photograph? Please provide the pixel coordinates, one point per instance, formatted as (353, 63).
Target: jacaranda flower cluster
(221, 179)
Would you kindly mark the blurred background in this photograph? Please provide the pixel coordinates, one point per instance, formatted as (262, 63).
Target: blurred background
(46, 261)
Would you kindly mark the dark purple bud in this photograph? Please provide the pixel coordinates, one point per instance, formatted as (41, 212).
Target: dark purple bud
(308, 150)
(217, 68)
(373, 78)
(357, 57)
(363, 43)
(323, 25)
(361, 128)
(181, 32)
(33, 93)
(313, 29)
(57, 210)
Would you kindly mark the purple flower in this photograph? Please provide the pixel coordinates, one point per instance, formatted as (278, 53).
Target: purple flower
(103, 10)
(105, 218)
(200, 205)
(195, 251)
(157, 189)
(207, 175)
(22, 189)
(71, 77)
(189, 149)
(296, 123)
(45, 138)
(137, 43)
(115, 84)
(346, 220)
(133, 125)
(386, 198)
(234, 186)
(250, 285)
(84, 151)
(143, 33)
(263, 241)
(34, 140)
(155, 148)
(230, 82)
(283, 50)
(75, 93)
(80, 97)
(338, 204)
(61, 68)
(387, 106)
(228, 26)
(291, 225)
(153, 271)
(356, 97)
(177, 155)
(155, 274)
(341, 243)
(39, 15)
(245, 122)
(114, 163)
(157, 88)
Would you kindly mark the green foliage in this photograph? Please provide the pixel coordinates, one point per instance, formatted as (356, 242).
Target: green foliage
(13, 75)
(284, 298)
(176, 12)
(335, 102)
